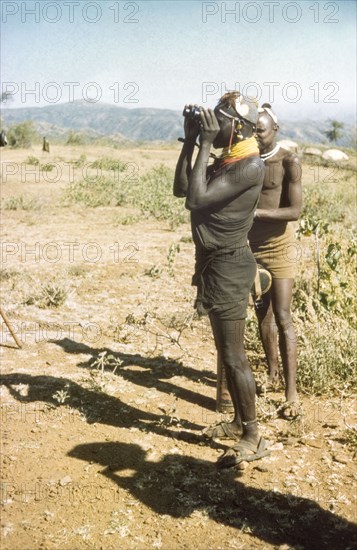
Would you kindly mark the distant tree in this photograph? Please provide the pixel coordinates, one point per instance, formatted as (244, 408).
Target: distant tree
(6, 96)
(22, 135)
(334, 133)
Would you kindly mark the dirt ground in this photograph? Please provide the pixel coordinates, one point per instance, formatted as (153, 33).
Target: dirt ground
(102, 413)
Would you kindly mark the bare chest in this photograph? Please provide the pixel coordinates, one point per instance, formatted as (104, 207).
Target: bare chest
(273, 176)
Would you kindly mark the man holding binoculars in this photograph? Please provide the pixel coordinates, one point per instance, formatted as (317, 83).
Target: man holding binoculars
(222, 199)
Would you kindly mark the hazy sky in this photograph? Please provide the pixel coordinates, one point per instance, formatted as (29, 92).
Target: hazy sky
(299, 55)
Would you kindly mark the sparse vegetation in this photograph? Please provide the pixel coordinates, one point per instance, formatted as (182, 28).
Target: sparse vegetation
(47, 167)
(21, 202)
(94, 192)
(49, 295)
(151, 194)
(33, 161)
(22, 135)
(106, 163)
(75, 138)
(105, 404)
(324, 295)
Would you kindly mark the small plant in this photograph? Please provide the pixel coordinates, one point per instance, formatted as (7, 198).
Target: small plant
(350, 438)
(80, 162)
(106, 163)
(53, 295)
(170, 414)
(8, 274)
(50, 295)
(34, 161)
(186, 239)
(127, 220)
(77, 271)
(47, 167)
(94, 192)
(105, 361)
(75, 138)
(154, 272)
(171, 255)
(162, 330)
(20, 203)
(61, 396)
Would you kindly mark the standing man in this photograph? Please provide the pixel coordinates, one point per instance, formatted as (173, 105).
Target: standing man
(272, 242)
(3, 139)
(222, 201)
(45, 145)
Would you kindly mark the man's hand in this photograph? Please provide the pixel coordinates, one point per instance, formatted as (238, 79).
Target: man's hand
(209, 126)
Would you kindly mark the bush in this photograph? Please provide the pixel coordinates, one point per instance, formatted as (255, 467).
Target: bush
(327, 356)
(33, 161)
(47, 167)
(20, 203)
(106, 163)
(75, 138)
(154, 197)
(152, 193)
(22, 135)
(94, 192)
(325, 202)
(49, 295)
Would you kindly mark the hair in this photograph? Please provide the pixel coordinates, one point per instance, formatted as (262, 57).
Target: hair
(229, 99)
(267, 108)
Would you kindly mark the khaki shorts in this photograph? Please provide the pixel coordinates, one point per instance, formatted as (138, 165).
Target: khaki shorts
(279, 252)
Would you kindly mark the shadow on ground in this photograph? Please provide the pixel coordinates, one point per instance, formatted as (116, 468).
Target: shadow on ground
(158, 371)
(180, 485)
(95, 406)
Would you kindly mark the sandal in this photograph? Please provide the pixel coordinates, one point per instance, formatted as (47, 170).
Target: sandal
(243, 451)
(290, 410)
(222, 430)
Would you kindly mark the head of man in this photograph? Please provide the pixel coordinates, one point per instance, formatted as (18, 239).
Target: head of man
(237, 117)
(267, 128)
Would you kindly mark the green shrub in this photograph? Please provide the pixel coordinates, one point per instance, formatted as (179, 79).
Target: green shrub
(47, 167)
(75, 138)
(34, 161)
(153, 195)
(94, 192)
(80, 162)
(328, 203)
(326, 356)
(20, 203)
(22, 135)
(106, 163)
(49, 295)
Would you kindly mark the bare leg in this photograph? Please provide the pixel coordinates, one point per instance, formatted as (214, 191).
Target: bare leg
(229, 338)
(269, 336)
(223, 401)
(281, 300)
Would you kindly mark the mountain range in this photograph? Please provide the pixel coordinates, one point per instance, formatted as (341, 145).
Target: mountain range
(120, 124)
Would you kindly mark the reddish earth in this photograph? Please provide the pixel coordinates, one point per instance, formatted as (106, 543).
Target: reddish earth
(97, 459)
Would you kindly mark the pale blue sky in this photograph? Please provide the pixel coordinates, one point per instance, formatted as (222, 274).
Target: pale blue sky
(165, 53)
